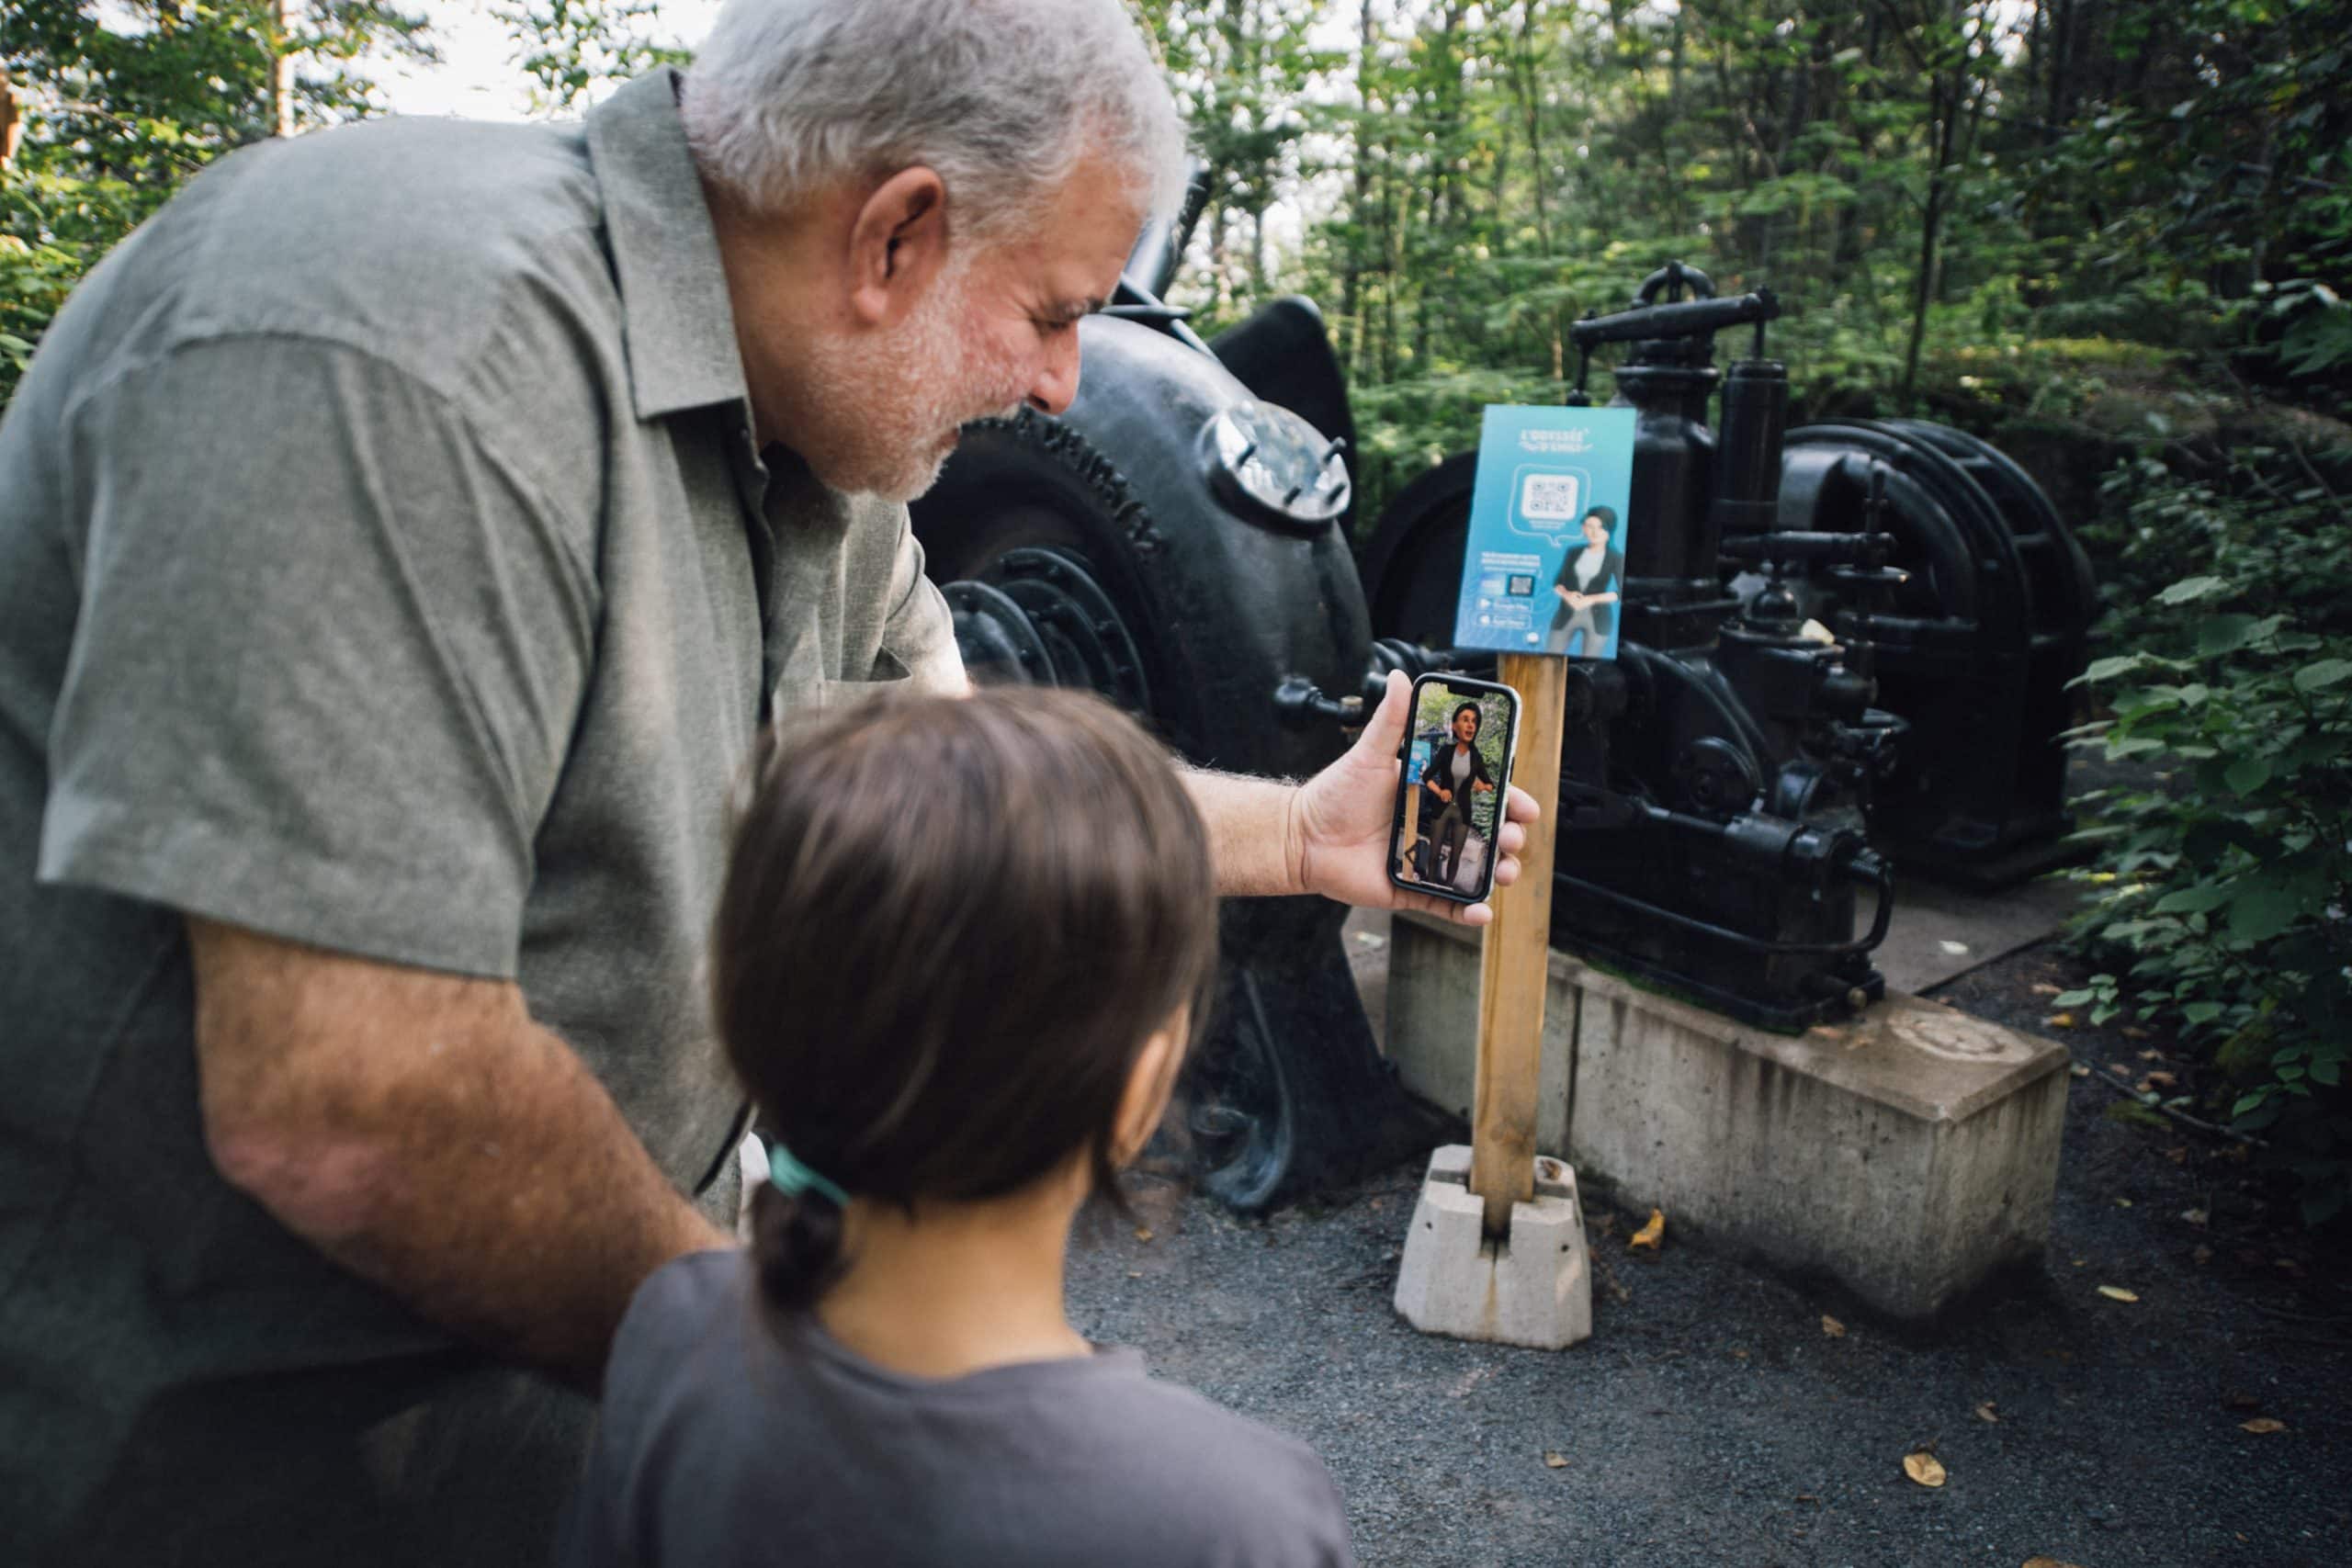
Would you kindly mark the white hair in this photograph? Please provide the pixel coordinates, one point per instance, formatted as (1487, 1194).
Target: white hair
(1001, 98)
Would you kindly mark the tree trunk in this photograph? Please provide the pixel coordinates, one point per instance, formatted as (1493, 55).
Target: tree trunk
(281, 68)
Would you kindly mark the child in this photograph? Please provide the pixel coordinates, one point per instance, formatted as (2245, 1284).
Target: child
(960, 949)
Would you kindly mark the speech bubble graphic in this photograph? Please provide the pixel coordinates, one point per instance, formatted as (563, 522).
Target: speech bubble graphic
(1545, 500)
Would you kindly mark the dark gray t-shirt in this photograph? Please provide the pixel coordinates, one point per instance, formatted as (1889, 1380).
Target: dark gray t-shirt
(385, 565)
(724, 1442)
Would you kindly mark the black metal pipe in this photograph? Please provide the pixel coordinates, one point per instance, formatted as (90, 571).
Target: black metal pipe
(1881, 880)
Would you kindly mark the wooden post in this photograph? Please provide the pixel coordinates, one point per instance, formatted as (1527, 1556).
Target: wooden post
(1516, 964)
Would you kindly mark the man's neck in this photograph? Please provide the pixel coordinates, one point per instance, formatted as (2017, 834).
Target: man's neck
(960, 1288)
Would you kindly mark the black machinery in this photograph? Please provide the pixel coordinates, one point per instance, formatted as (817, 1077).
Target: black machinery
(1789, 594)
(1178, 540)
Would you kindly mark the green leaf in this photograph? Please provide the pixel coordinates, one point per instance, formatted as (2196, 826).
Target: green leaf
(2326, 673)
(2224, 633)
(2247, 774)
(2190, 590)
(2109, 667)
(2201, 1012)
(2195, 900)
(2071, 999)
(2263, 910)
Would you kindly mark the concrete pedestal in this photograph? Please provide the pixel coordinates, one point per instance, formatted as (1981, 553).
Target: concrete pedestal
(1534, 1288)
(1910, 1154)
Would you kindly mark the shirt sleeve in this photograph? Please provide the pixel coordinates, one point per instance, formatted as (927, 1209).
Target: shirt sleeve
(920, 634)
(328, 653)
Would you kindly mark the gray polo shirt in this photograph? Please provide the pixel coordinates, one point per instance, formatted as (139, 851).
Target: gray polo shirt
(385, 564)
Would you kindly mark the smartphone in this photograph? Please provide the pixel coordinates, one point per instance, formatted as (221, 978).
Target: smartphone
(1457, 757)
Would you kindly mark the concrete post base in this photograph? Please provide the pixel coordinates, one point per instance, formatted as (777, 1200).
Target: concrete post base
(1535, 1290)
(1911, 1155)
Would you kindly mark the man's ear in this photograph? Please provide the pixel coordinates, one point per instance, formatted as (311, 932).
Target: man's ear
(897, 245)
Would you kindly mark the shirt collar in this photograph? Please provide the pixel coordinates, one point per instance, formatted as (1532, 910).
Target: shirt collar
(678, 324)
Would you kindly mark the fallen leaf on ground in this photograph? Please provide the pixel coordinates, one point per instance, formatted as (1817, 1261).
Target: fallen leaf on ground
(1134, 1273)
(2080, 1071)
(1143, 1232)
(2119, 1069)
(1924, 1468)
(2261, 1425)
(2202, 1257)
(2147, 1055)
(1985, 1412)
(2060, 1020)
(1807, 1498)
(1953, 949)
(2195, 1216)
(2157, 1081)
(1738, 1355)
(2124, 1202)
(1555, 1459)
(2242, 1402)
(1652, 1233)
(2047, 1563)
(1832, 1328)
(2117, 1293)
(2044, 988)
(2133, 1031)
(2177, 1154)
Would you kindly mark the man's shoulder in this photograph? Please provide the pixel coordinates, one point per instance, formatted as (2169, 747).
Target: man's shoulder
(417, 241)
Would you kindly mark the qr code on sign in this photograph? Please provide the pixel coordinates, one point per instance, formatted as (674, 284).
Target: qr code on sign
(1548, 498)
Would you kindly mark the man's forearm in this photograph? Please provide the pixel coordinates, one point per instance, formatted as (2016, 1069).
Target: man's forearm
(529, 1214)
(474, 1166)
(1253, 832)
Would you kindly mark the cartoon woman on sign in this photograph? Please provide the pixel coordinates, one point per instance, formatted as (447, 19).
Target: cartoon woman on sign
(1591, 581)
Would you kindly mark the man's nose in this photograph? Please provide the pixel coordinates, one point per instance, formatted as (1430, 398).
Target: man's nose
(1056, 383)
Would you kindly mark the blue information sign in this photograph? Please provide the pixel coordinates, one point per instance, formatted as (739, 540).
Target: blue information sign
(1544, 571)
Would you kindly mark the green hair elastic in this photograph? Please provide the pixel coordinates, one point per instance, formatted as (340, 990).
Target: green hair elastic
(792, 1178)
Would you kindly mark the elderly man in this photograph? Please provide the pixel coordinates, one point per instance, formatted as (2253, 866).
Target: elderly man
(402, 540)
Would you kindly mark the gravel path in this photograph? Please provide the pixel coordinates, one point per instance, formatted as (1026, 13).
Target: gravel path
(1713, 1419)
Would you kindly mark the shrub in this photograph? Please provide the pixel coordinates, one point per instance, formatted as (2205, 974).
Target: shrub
(2223, 887)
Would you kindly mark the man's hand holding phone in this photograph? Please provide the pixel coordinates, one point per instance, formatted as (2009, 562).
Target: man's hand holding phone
(1343, 819)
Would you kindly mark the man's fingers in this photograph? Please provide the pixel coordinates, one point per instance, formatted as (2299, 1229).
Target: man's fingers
(1513, 839)
(1385, 733)
(1446, 909)
(1520, 807)
(1506, 871)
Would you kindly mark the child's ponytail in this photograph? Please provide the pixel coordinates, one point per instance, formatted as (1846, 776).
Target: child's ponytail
(796, 1246)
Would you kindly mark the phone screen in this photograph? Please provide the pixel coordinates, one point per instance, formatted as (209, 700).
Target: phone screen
(1450, 798)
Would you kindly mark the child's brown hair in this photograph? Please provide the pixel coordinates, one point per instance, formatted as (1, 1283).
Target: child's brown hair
(949, 928)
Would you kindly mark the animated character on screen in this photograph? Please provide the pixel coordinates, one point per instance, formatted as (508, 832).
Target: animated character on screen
(1455, 775)
(1588, 586)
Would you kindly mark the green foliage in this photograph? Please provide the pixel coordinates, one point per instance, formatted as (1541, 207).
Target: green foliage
(1930, 183)
(573, 51)
(2224, 885)
(123, 101)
